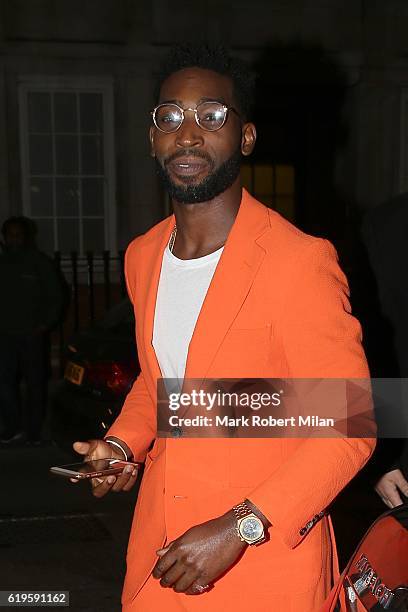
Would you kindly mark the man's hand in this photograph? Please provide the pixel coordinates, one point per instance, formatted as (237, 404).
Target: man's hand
(99, 449)
(390, 486)
(200, 555)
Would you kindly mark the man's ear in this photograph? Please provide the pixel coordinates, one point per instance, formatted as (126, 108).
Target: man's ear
(151, 139)
(248, 138)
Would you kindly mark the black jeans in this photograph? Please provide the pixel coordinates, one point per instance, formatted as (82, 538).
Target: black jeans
(22, 355)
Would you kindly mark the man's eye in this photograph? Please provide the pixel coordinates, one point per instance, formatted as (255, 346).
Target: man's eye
(211, 117)
(170, 118)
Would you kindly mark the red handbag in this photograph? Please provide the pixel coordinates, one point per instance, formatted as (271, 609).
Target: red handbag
(376, 577)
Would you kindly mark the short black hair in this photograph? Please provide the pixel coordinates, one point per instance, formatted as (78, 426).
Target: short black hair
(217, 59)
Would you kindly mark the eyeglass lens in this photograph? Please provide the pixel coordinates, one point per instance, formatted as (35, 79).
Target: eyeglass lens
(210, 116)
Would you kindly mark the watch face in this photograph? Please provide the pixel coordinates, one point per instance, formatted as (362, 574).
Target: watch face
(251, 528)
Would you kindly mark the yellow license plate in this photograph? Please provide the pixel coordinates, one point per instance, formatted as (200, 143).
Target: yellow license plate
(74, 373)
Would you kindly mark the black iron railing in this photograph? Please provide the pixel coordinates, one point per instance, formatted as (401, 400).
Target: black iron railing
(93, 283)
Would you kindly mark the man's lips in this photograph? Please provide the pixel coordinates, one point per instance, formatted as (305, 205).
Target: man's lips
(187, 166)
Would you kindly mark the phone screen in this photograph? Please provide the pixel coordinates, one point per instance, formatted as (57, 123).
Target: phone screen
(90, 469)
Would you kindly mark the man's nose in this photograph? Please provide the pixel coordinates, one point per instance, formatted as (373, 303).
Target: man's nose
(189, 133)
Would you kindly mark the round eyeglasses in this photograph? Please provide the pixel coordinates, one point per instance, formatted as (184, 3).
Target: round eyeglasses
(210, 116)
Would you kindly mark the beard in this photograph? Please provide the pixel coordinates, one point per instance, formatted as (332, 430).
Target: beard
(211, 186)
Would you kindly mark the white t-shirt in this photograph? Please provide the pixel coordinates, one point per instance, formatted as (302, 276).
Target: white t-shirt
(182, 288)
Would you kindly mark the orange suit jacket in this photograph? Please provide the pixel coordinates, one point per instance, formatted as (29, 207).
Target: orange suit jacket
(277, 306)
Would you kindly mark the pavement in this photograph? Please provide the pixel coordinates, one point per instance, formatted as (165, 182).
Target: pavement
(54, 535)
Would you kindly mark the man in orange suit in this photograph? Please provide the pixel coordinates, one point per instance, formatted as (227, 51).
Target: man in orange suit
(226, 288)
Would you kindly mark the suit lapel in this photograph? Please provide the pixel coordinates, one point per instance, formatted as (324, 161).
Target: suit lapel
(229, 287)
(152, 252)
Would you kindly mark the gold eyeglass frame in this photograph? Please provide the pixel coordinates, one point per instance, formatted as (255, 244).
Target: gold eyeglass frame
(194, 110)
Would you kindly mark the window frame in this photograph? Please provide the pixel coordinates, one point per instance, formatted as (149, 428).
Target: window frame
(252, 164)
(73, 84)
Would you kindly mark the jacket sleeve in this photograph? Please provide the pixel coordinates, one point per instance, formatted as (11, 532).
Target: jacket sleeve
(136, 424)
(322, 340)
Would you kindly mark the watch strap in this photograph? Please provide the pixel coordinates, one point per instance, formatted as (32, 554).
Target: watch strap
(242, 510)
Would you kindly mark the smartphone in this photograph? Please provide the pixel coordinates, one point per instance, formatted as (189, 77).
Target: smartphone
(92, 469)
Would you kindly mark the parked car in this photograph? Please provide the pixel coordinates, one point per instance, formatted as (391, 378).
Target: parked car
(101, 365)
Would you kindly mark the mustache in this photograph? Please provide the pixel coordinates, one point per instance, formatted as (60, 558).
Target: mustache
(188, 153)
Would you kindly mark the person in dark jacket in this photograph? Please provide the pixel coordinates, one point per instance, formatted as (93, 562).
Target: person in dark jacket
(30, 304)
(384, 234)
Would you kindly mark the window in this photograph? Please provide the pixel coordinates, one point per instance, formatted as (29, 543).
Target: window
(67, 163)
(272, 184)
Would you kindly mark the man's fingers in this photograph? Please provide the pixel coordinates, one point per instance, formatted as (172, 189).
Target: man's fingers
(186, 583)
(103, 487)
(131, 481)
(118, 482)
(401, 483)
(81, 447)
(389, 494)
(90, 450)
(126, 480)
(163, 564)
(172, 575)
(387, 502)
(162, 551)
(389, 486)
(96, 481)
(394, 498)
(197, 588)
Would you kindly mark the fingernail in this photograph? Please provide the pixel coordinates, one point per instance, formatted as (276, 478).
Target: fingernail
(128, 469)
(134, 473)
(111, 479)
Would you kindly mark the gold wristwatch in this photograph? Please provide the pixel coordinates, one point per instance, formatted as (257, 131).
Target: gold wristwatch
(249, 527)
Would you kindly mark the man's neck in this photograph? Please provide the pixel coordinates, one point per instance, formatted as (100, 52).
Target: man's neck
(204, 227)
